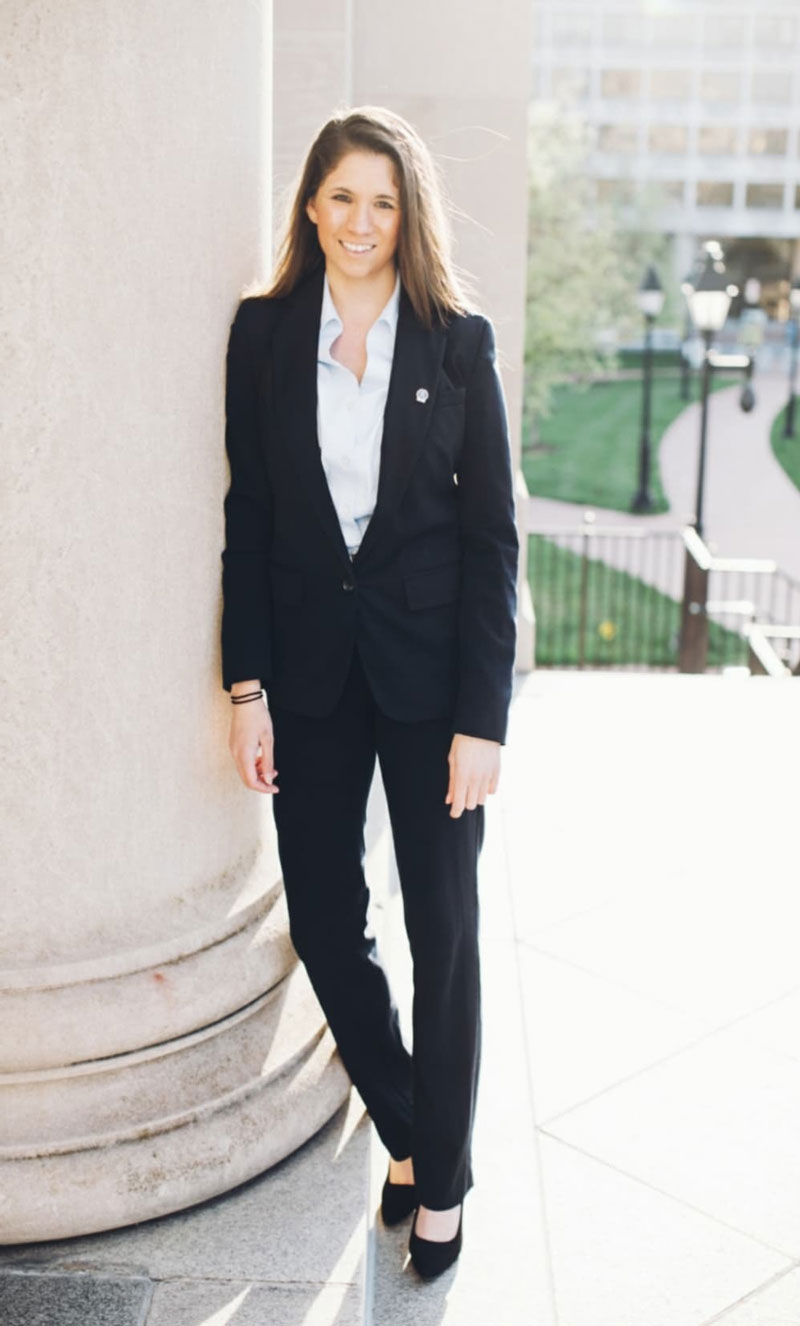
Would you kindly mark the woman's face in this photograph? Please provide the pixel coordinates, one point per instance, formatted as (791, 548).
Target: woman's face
(356, 210)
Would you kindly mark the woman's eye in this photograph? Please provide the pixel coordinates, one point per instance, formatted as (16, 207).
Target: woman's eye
(343, 198)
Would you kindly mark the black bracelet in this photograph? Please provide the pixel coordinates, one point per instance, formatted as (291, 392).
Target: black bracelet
(247, 696)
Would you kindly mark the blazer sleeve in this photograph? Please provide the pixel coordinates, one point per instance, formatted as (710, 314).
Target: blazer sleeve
(490, 553)
(248, 520)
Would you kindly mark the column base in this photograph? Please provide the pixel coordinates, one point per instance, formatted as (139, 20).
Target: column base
(110, 1142)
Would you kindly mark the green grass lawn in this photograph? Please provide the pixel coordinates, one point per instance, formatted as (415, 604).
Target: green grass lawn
(626, 620)
(588, 449)
(787, 449)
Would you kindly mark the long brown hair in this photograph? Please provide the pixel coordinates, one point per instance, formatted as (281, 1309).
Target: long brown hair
(436, 288)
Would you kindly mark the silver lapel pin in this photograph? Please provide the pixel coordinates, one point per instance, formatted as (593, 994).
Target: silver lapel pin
(422, 395)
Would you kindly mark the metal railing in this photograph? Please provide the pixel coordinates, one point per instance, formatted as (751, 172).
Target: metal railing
(628, 596)
(774, 651)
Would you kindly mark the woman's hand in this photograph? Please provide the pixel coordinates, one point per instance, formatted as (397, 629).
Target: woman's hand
(474, 772)
(251, 728)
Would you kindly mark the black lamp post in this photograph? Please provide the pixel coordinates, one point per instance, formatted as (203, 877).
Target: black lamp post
(794, 315)
(650, 298)
(687, 285)
(709, 300)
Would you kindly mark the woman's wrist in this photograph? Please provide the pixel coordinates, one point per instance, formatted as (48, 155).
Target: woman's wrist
(247, 692)
(243, 687)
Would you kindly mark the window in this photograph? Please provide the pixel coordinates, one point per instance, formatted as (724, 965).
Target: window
(621, 83)
(674, 29)
(720, 86)
(775, 30)
(672, 190)
(571, 27)
(618, 138)
(569, 84)
(723, 30)
(615, 191)
(716, 140)
(714, 193)
(672, 138)
(772, 85)
(670, 84)
(623, 29)
(768, 142)
(764, 195)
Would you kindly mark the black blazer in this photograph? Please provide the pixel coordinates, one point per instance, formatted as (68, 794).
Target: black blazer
(430, 595)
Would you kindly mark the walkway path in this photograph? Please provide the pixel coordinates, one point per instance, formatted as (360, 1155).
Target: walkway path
(752, 509)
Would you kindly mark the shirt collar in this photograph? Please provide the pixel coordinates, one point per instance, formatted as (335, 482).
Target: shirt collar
(330, 318)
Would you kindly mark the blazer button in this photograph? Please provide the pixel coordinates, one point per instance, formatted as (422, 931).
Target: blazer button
(348, 584)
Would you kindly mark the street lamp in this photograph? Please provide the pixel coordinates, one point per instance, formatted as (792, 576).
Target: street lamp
(686, 285)
(709, 300)
(650, 298)
(692, 349)
(752, 291)
(794, 316)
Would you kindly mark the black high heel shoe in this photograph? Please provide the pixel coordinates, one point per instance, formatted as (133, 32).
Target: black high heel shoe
(397, 1201)
(431, 1256)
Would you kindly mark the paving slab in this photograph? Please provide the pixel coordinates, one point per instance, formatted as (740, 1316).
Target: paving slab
(36, 1299)
(245, 1303)
(774, 1304)
(625, 1254)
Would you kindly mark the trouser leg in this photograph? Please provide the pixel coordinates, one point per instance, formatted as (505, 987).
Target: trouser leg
(325, 768)
(437, 859)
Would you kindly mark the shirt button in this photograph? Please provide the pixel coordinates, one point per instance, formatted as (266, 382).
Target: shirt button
(348, 584)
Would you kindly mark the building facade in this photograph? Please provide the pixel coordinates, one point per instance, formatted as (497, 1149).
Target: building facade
(694, 105)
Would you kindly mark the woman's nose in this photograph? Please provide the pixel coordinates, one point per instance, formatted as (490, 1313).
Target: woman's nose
(361, 219)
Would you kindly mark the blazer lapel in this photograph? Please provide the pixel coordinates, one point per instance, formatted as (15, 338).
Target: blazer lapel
(417, 361)
(418, 356)
(294, 395)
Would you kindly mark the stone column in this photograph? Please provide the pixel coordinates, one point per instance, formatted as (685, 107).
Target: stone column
(159, 1042)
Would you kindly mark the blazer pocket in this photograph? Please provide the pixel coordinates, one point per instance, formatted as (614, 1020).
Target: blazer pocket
(450, 396)
(287, 586)
(434, 586)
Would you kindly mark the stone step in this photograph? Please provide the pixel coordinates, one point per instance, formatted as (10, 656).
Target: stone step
(53, 1016)
(137, 1135)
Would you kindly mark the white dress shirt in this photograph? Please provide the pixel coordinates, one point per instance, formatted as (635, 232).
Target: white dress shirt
(350, 415)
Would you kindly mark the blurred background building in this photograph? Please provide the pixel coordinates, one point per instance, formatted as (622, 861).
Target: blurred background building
(695, 112)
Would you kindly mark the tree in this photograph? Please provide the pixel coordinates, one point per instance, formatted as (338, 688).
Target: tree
(584, 261)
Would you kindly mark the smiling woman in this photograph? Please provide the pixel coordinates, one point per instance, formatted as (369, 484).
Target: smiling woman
(356, 210)
(373, 599)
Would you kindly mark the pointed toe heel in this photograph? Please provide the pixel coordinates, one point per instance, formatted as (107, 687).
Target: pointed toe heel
(430, 1256)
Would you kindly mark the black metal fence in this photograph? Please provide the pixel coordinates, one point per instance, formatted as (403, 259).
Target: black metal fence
(626, 596)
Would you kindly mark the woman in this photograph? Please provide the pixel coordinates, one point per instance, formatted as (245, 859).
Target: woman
(369, 588)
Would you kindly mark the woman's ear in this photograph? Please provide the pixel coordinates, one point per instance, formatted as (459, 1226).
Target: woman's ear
(311, 211)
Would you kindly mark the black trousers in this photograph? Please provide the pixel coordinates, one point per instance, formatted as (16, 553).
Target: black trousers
(423, 1103)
